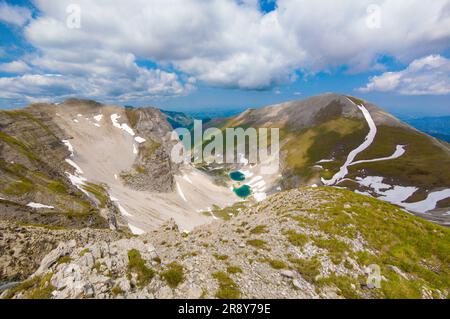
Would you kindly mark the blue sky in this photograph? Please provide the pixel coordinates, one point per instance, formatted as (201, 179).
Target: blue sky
(225, 54)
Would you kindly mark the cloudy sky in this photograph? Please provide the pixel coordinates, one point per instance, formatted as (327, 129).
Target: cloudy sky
(226, 54)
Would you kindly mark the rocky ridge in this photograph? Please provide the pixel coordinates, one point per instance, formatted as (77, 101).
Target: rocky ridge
(304, 243)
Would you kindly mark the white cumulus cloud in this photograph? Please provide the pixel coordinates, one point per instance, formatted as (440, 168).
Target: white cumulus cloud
(224, 43)
(425, 76)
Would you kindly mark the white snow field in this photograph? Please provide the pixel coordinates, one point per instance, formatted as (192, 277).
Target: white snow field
(397, 194)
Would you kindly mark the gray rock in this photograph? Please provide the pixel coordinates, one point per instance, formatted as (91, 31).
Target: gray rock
(164, 293)
(287, 273)
(194, 292)
(297, 284)
(88, 260)
(123, 284)
(62, 250)
(88, 291)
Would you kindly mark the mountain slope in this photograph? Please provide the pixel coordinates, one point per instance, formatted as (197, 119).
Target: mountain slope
(303, 243)
(81, 163)
(318, 136)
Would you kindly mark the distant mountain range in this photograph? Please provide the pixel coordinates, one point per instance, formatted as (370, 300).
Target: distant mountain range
(438, 127)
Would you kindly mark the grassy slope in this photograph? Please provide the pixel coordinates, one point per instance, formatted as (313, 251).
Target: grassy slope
(422, 164)
(413, 254)
(335, 138)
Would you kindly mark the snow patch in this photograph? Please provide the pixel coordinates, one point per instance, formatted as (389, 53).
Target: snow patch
(39, 206)
(74, 165)
(351, 157)
(78, 182)
(254, 180)
(396, 194)
(69, 146)
(259, 197)
(429, 203)
(122, 210)
(123, 126)
(139, 139)
(374, 182)
(98, 118)
(135, 230)
(326, 161)
(400, 150)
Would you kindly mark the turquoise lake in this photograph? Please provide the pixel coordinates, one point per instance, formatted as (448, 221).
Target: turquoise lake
(237, 176)
(243, 191)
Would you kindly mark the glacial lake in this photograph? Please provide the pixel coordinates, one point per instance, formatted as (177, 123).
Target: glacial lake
(237, 176)
(243, 191)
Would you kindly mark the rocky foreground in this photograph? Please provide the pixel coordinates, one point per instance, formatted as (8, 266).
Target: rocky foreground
(304, 243)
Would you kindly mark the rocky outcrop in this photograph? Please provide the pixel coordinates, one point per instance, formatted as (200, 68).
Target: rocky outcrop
(153, 170)
(23, 248)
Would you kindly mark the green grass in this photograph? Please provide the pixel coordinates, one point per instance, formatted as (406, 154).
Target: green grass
(420, 166)
(343, 283)
(174, 275)
(295, 238)
(228, 289)
(30, 118)
(136, 264)
(258, 243)
(57, 187)
(275, 263)
(18, 145)
(417, 247)
(309, 269)
(234, 269)
(64, 260)
(117, 291)
(36, 287)
(220, 257)
(336, 249)
(304, 148)
(226, 213)
(84, 252)
(98, 191)
(19, 188)
(261, 229)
